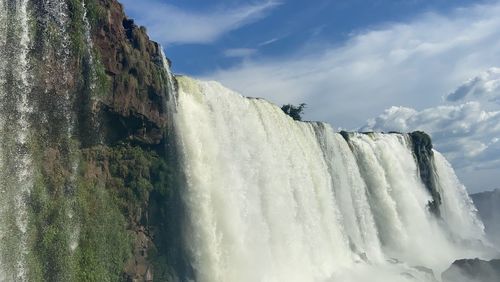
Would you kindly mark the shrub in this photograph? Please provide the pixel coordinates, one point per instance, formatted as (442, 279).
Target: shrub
(294, 111)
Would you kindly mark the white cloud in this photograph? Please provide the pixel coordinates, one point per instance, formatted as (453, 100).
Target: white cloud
(239, 52)
(411, 64)
(169, 24)
(466, 133)
(484, 87)
(270, 41)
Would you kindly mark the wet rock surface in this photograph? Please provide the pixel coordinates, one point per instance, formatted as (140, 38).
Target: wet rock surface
(135, 106)
(422, 149)
(473, 270)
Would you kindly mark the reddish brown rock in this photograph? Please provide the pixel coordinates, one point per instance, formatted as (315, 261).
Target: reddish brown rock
(135, 106)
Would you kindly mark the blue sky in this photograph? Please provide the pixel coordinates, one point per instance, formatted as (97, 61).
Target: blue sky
(384, 65)
(261, 29)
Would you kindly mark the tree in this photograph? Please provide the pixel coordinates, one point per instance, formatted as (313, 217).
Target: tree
(294, 111)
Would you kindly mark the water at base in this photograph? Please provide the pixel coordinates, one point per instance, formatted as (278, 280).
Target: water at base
(272, 199)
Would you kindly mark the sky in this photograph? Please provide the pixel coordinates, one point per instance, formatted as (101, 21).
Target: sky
(399, 65)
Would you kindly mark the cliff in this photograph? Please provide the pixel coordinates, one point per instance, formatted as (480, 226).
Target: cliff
(134, 161)
(134, 107)
(85, 155)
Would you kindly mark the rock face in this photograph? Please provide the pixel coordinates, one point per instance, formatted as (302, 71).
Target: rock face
(422, 149)
(132, 108)
(473, 270)
(84, 147)
(488, 206)
(135, 105)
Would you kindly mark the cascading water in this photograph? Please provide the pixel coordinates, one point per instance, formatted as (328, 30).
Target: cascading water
(267, 198)
(272, 199)
(36, 123)
(15, 161)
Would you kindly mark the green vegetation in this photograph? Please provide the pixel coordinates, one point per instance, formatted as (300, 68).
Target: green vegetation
(81, 223)
(77, 27)
(294, 111)
(113, 194)
(96, 14)
(89, 200)
(104, 245)
(134, 173)
(103, 85)
(50, 202)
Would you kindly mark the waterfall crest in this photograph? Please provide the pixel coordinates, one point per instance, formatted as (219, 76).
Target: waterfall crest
(272, 199)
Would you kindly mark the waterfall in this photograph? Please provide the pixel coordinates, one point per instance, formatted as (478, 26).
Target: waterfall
(264, 197)
(15, 162)
(272, 199)
(36, 137)
(170, 82)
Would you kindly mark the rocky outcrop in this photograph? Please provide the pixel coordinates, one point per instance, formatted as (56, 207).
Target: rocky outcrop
(135, 105)
(131, 107)
(422, 150)
(473, 270)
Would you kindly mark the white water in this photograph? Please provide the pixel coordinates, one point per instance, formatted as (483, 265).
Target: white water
(272, 199)
(15, 161)
(17, 113)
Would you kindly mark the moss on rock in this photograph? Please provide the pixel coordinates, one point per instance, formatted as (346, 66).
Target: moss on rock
(103, 194)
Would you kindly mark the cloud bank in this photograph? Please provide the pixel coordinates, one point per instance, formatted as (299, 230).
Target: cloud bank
(484, 87)
(466, 128)
(169, 24)
(417, 65)
(411, 64)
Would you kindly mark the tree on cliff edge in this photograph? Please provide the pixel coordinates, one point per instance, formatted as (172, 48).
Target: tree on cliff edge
(294, 111)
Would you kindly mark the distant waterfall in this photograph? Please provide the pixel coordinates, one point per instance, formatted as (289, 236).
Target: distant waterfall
(272, 199)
